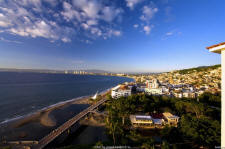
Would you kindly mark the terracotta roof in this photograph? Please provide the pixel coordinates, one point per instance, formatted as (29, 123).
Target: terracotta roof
(124, 87)
(216, 45)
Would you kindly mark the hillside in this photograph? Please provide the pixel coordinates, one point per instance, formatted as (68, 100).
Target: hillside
(199, 69)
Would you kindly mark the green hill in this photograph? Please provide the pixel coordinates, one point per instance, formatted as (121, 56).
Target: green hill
(198, 69)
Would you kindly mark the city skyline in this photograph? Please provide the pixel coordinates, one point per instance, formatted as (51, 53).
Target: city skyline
(116, 36)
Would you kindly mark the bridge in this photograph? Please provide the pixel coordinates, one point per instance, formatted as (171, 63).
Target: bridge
(58, 131)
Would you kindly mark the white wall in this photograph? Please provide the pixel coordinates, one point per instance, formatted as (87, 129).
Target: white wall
(223, 99)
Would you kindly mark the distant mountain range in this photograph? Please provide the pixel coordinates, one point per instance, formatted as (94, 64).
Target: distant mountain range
(97, 71)
(52, 71)
(92, 71)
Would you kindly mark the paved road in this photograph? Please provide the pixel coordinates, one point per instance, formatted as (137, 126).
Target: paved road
(58, 131)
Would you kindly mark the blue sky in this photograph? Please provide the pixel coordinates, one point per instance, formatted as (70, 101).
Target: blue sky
(118, 35)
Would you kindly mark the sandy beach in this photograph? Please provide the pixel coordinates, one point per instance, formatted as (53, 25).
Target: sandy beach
(40, 123)
(44, 117)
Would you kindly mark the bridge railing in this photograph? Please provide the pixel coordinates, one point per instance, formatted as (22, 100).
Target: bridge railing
(58, 131)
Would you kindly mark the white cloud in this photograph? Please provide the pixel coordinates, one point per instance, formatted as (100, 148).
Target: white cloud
(36, 3)
(96, 31)
(135, 25)
(91, 12)
(169, 33)
(65, 39)
(92, 22)
(131, 3)
(147, 29)
(117, 33)
(109, 13)
(22, 12)
(85, 26)
(10, 41)
(19, 31)
(112, 32)
(69, 13)
(53, 3)
(4, 22)
(80, 3)
(32, 18)
(148, 12)
(91, 9)
(37, 29)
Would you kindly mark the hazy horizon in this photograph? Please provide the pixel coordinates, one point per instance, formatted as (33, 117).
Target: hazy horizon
(130, 72)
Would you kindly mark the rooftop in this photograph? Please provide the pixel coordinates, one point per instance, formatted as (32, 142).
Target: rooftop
(170, 116)
(141, 119)
(217, 47)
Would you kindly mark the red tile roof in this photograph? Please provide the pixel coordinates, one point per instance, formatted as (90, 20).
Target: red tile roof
(216, 45)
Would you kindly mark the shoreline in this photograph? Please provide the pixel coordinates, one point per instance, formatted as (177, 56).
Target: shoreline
(44, 117)
(45, 109)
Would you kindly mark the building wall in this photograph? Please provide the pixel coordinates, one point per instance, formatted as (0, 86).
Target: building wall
(154, 91)
(223, 99)
(120, 93)
(152, 83)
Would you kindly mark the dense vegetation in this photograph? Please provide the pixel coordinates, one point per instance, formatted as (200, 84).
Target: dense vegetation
(199, 123)
(199, 69)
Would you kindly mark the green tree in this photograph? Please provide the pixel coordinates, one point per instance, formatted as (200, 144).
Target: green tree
(165, 145)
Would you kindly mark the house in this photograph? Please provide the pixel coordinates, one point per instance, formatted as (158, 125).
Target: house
(188, 93)
(170, 119)
(177, 94)
(158, 119)
(121, 91)
(141, 120)
(158, 122)
(154, 83)
(155, 120)
(153, 91)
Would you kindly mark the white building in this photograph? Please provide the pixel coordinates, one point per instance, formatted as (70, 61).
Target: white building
(152, 87)
(120, 91)
(188, 93)
(154, 83)
(170, 119)
(177, 94)
(153, 91)
(165, 89)
(141, 120)
(220, 48)
(147, 120)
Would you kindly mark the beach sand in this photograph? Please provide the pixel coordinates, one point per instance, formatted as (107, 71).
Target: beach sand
(37, 125)
(44, 117)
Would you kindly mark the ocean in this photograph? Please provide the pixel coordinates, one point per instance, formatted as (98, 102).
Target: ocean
(22, 93)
